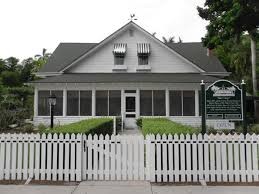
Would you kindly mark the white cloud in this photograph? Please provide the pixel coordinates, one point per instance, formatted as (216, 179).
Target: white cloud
(27, 26)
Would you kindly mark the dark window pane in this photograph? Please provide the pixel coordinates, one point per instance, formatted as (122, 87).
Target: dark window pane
(146, 103)
(159, 102)
(114, 102)
(188, 103)
(130, 91)
(175, 98)
(43, 104)
(102, 103)
(130, 104)
(143, 60)
(58, 108)
(85, 103)
(118, 60)
(72, 103)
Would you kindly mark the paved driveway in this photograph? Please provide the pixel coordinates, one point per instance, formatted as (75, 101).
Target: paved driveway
(124, 188)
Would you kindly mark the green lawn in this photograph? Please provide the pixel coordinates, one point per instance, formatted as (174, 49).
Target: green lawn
(90, 126)
(164, 126)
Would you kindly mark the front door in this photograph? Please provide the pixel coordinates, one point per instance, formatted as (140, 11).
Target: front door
(130, 111)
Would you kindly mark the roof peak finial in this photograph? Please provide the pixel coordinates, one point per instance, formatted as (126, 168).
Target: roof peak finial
(132, 17)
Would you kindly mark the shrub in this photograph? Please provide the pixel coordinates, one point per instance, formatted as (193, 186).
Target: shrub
(164, 126)
(90, 126)
(42, 127)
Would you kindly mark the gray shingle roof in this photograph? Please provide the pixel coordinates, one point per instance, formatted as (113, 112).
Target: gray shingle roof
(66, 53)
(128, 78)
(197, 54)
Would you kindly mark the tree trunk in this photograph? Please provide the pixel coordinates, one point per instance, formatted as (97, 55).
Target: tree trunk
(253, 61)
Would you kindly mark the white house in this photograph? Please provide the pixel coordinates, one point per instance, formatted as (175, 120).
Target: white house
(130, 74)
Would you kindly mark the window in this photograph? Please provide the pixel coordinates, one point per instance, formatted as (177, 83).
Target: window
(43, 102)
(152, 103)
(118, 59)
(114, 103)
(146, 102)
(102, 103)
(188, 103)
(72, 103)
(108, 103)
(85, 103)
(143, 60)
(175, 98)
(182, 103)
(79, 103)
(58, 108)
(159, 102)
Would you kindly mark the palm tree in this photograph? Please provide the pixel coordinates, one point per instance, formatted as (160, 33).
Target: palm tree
(44, 56)
(168, 40)
(41, 59)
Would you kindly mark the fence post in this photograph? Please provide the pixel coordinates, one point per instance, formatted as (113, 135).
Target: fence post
(147, 160)
(203, 109)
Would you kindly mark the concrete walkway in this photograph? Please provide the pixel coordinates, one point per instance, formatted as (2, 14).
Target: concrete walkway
(135, 131)
(127, 187)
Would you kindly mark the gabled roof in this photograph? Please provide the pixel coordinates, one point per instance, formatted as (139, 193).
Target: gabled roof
(64, 55)
(67, 54)
(197, 53)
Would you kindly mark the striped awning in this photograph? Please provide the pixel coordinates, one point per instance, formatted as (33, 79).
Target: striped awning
(143, 48)
(119, 49)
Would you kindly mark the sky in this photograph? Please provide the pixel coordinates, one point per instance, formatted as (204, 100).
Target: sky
(28, 26)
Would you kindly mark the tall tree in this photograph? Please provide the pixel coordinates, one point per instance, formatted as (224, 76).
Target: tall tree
(232, 18)
(41, 59)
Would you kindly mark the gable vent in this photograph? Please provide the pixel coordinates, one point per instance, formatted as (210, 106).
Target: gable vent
(131, 32)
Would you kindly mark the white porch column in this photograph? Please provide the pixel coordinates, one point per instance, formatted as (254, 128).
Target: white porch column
(137, 103)
(196, 103)
(64, 102)
(167, 104)
(93, 101)
(35, 102)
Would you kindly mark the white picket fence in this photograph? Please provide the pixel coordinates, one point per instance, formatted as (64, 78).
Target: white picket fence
(212, 158)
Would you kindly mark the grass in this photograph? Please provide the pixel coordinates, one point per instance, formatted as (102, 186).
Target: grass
(164, 126)
(90, 126)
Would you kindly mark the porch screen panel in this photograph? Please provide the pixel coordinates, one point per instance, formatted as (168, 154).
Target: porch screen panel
(43, 104)
(85, 103)
(114, 102)
(175, 99)
(146, 102)
(72, 103)
(188, 103)
(159, 102)
(58, 109)
(102, 103)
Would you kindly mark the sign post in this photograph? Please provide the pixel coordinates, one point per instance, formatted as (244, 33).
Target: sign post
(203, 108)
(243, 86)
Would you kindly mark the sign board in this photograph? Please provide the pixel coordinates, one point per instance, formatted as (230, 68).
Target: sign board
(224, 124)
(224, 101)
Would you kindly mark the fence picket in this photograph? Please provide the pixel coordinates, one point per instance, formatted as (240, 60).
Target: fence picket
(124, 158)
(165, 158)
(206, 158)
(107, 157)
(176, 158)
(72, 157)
(130, 158)
(89, 157)
(67, 154)
(194, 158)
(25, 157)
(14, 158)
(61, 157)
(255, 157)
(242, 158)
(78, 157)
(55, 157)
(37, 157)
(248, 145)
(152, 159)
(224, 158)
(31, 155)
(158, 158)
(135, 158)
(236, 160)
(218, 158)
(188, 157)
(170, 158)
(112, 158)
(49, 156)
(2, 156)
(141, 158)
(118, 157)
(200, 157)
(95, 157)
(43, 156)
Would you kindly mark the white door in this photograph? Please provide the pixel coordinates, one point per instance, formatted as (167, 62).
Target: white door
(130, 111)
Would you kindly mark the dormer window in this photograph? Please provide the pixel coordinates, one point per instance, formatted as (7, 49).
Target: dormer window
(119, 53)
(143, 50)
